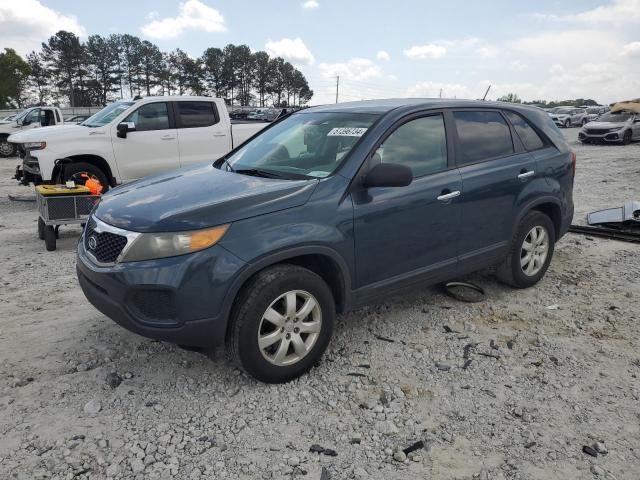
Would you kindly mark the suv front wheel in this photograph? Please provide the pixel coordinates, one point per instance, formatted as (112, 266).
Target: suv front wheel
(281, 324)
(530, 251)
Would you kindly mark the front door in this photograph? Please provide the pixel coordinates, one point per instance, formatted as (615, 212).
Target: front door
(152, 147)
(409, 232)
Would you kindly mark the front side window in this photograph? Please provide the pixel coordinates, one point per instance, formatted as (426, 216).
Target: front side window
(527, 134)
(419, 144)
(482, 135)
(152, 116)
(196, 114)
(303, 145)
(32, 117)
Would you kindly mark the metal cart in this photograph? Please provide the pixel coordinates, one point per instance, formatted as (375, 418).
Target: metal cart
(61, 205)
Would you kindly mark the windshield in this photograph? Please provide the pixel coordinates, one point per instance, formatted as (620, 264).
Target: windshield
(107, 114)
(308, 144)
(20, 115)
(615, 117)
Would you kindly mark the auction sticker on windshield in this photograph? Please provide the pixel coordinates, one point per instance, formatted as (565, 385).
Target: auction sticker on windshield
(346, 132)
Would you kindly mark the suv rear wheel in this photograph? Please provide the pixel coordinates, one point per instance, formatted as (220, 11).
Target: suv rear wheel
(530, 252)
(281, 324)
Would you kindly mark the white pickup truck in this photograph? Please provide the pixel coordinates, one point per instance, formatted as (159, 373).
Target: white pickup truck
(26, 120)
(131, 139)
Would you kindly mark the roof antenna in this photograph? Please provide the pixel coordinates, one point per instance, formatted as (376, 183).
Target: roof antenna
(486, 93)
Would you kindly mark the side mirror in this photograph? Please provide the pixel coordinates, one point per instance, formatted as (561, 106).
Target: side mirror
(388, 175)
(124, 127)
(24, 122)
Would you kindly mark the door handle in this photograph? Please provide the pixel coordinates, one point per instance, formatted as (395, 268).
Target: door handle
(219, 134)
(167, 137)
(525, 175)
(448, 196)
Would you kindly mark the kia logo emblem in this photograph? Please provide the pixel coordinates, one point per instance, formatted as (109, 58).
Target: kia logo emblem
(93, 242)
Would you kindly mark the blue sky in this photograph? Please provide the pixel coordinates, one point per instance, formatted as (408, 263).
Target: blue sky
(539, 49)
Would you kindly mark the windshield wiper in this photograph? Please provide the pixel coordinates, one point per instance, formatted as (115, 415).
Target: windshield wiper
(257, 172)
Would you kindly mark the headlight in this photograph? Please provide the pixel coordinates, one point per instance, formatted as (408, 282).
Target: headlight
(34, 145)
(149, 246)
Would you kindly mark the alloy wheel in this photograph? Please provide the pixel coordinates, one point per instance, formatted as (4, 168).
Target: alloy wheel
(535, 249)
(6, 148)
(289, 328)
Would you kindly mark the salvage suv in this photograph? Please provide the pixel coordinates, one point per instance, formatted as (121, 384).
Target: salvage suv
(326, 210)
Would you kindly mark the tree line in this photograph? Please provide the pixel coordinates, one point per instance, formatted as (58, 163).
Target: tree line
(69, 71)
(577, 102)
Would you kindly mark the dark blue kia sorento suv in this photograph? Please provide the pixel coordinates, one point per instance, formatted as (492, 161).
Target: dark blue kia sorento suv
(323, 211)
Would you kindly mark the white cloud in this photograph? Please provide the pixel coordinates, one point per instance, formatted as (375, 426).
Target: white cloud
(435, 89)
(356, 69)
(310, 5)
(291, 49)
(192, 15)
(631, 49)
(518, 66)
(617, 11)
(25, 24)
(426, 51)
(382, 55)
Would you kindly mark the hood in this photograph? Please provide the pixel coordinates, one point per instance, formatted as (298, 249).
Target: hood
(198, 197)
(606, 124)
(55, 132)
(10, 127)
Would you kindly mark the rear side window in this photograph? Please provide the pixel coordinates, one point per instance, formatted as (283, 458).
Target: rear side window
(196, 114)
(420, 144)
(482, 135)
(525, 131)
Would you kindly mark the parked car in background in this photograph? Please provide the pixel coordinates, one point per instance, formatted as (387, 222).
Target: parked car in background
(594, 112)
(28, 119)
(569, 116)
(131, 139)
(328, 209)
(613, 127)
(76, 119)
(8, 118)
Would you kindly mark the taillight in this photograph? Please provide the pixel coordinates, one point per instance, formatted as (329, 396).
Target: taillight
(573, 163)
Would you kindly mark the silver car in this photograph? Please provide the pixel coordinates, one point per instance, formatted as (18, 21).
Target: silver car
(594, 112)
(618, 127)
(568, 116)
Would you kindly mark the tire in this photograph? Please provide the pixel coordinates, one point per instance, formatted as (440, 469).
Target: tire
(584, 122)
(511, 271)
(49, 238)
(626, 138)
(74, 169)
(7, 149)
(567, 123)
(269, 290)
(41, 227)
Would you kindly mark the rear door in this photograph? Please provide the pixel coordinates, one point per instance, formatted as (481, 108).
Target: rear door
(152, 147)
(495, 172)
(202, 136)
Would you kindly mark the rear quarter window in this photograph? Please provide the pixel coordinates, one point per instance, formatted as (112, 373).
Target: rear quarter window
(482, 135)
(530, 138)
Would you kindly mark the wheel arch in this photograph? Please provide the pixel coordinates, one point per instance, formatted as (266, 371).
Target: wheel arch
(323, 261)
(550, 206)
(95, 160)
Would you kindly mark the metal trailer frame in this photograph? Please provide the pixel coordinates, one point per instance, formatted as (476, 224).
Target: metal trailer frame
(56, 210)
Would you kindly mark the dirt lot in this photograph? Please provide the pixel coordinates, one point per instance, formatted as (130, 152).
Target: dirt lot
(553, 368)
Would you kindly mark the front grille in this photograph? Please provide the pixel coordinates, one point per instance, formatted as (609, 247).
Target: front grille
(154, 305)
(104, 246)
(597, 131)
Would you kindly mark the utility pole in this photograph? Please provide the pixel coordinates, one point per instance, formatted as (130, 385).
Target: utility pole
(337, 85)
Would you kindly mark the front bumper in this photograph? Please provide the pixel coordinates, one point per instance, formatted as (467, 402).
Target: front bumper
(610, 137)
(177, 299)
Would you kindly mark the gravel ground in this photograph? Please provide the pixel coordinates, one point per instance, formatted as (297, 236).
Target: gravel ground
(510, 388)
